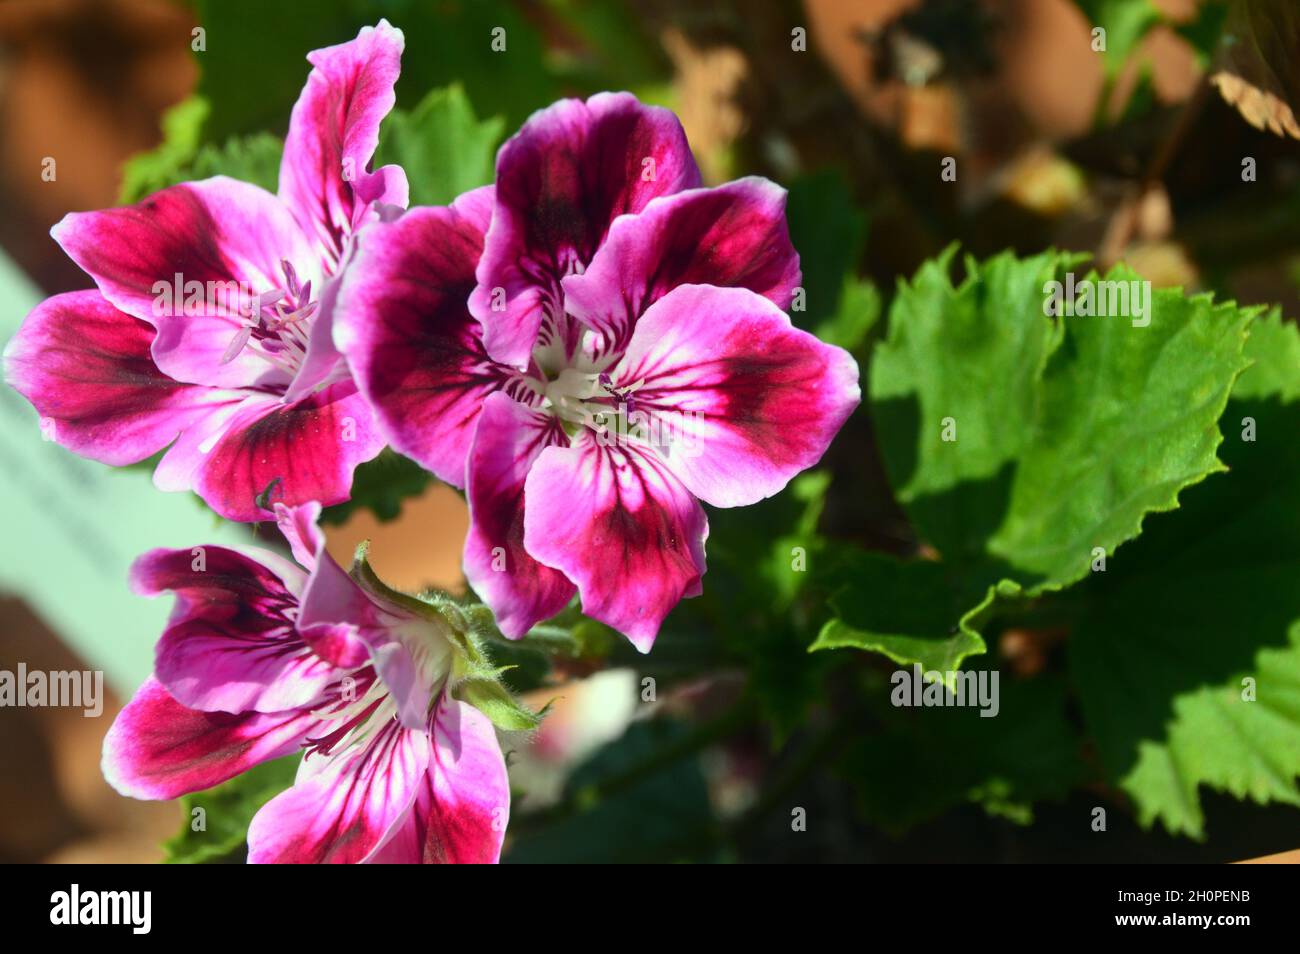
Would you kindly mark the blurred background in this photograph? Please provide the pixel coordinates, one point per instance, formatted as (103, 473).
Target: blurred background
(1132, 154)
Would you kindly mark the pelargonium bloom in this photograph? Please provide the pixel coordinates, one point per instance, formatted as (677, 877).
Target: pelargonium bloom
(262, 658)
(210, 327)
(591, 348)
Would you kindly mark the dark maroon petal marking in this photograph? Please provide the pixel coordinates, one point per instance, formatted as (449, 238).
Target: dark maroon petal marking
(521, 591)
(561, 181)
(757, 399)
(87, 369)
(617, 522)
(463, 802)
(342, 809)
(158, 748)
(298, 452)
(731, 236)
(414, 348)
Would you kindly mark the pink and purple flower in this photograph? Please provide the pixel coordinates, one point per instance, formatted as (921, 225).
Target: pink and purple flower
(592, 347)
(210, 331)
(263, 658)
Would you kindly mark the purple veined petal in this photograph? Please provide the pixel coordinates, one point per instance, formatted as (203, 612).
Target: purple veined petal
(507, 441)
(230, 643)
(332, 596)
(414, 349)
(178, 470)
(163, 570)
(462, 805)
(408, 670)
(352, 627)
(305, 451)
(339, 644)
(86, 368)
(731, 236)
(300, 527)
(344, 805)
(568, 173)
(617, 522)
(333, 132)
(159, 749)
(186, 260)
(738, 400)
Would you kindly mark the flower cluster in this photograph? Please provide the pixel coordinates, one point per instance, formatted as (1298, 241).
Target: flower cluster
(591, 348)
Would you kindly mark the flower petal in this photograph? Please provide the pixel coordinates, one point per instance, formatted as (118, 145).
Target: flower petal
(463, 802)
(742, 400)
(731, 236)
(299, 452)
(561, 181)
(337, 643)
(299, 526)
(221, 241)
(230, 643)
(86, 368)
(332, 596)
(521, 591)
(617, 522)
(414, 348)
(179, 467)
(159, 749)
(333, 132)
(349, 624)
(342, 806)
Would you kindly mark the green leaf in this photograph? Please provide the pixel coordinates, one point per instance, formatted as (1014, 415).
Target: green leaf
(907, 611)
(855, 316)
(1205, 600)
(754, 608)
(164, 165)
(224, 812)
(1023, 445)
(1204, 32)
(1273, 349)
(443, 147)
(254, 65)
(254, 159)
(925, 761)
(1126, 23)
(1068, 431)
(619, 49)
(181, 158)
(828, 231)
